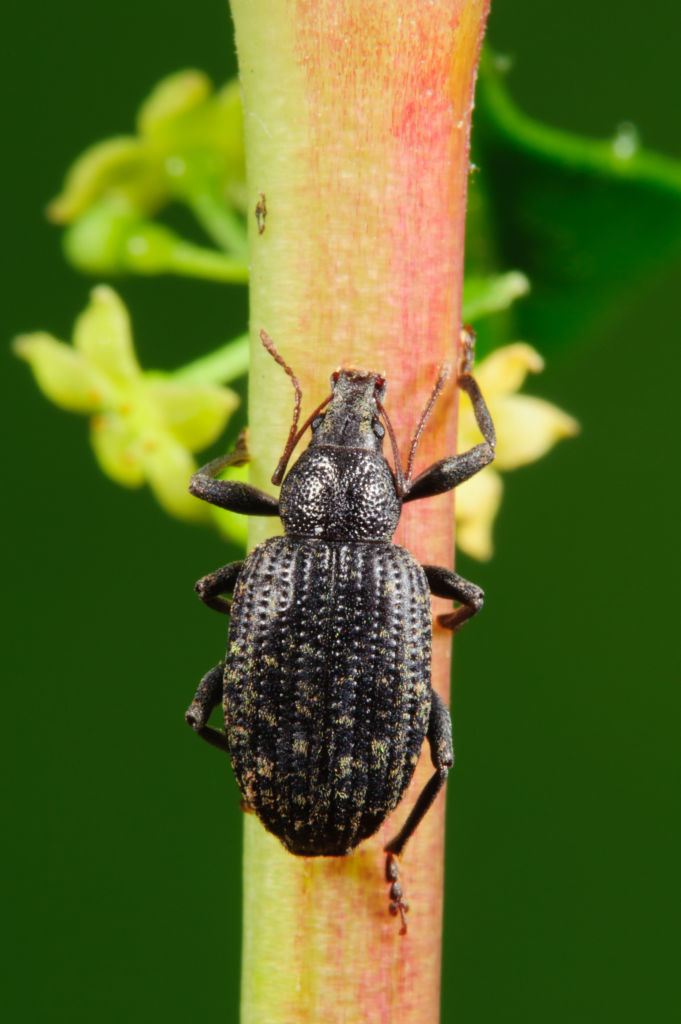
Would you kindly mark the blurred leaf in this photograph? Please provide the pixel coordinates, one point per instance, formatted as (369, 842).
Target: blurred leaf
(483, 296)
(586, 220)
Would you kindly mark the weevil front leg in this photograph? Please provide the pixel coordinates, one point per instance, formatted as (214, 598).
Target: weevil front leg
(445, 583)
(450, 472)
(439, 738)
(207, 697)
(232, 494)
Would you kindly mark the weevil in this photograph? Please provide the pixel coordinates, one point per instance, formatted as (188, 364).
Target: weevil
(326, 681)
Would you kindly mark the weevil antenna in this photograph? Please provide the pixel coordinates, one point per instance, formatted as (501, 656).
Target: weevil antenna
(291, 442)
(397, 459)
(278, 474)
(443, 375)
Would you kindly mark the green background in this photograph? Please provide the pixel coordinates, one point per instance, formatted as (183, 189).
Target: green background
(122, 881)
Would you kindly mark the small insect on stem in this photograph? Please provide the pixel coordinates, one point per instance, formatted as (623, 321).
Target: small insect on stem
(261, 212)
(326, 683)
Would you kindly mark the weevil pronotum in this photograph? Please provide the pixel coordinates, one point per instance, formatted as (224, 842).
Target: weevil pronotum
(326, 681)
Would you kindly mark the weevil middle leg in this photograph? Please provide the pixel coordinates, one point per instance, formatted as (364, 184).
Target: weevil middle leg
(446, 583)
(210, 588)
(207, 697)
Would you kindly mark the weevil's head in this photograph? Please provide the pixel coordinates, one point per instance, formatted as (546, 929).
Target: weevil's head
(342, 488)
(352, 419)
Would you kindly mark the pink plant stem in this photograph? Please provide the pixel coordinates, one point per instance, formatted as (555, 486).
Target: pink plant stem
(357, 117)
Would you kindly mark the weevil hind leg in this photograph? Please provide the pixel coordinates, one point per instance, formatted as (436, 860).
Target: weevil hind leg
(439, 738)
(207, 697)
(446, 583)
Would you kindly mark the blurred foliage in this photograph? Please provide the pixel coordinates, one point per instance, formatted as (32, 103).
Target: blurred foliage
(189, 150)
(526, 428)
(562, 851)
(578, 220)
(144, 425)
(585, 220)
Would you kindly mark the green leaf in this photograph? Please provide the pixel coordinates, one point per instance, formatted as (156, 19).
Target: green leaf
(585, 220)
(483, 296)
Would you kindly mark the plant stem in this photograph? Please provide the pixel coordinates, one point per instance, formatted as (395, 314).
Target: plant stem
(223, 366)
(191, 260)
(223, 224)
(357, 125)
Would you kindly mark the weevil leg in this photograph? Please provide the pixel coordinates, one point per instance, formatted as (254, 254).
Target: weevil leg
(445, 583)
(222, 581)
(442, 755)
(232, 494)
(207, 697)
(450, 472)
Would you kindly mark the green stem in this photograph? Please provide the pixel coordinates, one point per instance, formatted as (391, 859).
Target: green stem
(113, 238)
(356, 124)
(223, 224)
(223, 366)
(196, 261)
(595, 155)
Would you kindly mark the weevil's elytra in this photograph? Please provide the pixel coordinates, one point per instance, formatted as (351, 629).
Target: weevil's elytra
(327, 693)
(326, 680)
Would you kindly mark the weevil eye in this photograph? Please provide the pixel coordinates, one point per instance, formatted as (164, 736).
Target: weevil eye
(378, 428)
(316, 422)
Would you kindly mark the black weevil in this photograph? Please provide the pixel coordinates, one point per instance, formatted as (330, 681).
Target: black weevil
(326, 681)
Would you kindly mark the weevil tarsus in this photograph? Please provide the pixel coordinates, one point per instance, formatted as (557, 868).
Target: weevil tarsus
(397, 904)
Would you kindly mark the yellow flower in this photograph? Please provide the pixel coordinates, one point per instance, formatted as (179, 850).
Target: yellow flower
(188, 149)
(143, 425)
(526, 427)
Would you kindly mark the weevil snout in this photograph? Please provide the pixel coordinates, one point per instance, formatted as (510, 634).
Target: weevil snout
(352, 417)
